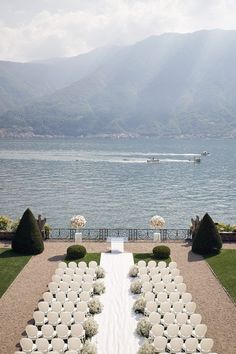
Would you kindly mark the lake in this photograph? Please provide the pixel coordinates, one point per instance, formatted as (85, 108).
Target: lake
(110, 182)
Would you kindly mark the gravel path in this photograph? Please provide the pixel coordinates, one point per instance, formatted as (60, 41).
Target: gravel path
(20, 300)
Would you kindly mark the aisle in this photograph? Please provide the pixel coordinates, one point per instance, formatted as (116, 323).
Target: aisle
(117, 323)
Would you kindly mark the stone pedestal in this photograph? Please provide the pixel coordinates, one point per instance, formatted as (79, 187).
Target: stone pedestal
(156, 237)
(78, 237)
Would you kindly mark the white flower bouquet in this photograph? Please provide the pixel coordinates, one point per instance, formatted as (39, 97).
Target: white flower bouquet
(157, 222)
(78, 221)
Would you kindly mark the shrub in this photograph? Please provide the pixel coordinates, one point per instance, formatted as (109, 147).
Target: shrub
(136, 287)
(139, 305)
(207, 239)
(27, 238)
(5, 223)
(100, 272)
(161, 252)
(88, 348)
(75, 252)
(133, 272)
(98, 288)
(90, 327)
(143, 327)
(95, 306)
(147, 348)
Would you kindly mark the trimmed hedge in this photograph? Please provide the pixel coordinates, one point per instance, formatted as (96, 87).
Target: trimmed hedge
(27, 238)
(75, 252)
(161, 252)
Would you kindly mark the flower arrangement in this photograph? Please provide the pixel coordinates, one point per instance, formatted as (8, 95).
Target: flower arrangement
(157, 222)
(98, 288)
(133, 272)
(78, 221)
(139, 305)
(95, 306)
(136, 287)
(143, 327)
(147, 348)
(100, 272)
(90, 327)
(88, 348)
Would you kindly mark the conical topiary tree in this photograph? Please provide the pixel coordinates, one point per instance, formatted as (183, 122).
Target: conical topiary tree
(207, 239)
(27, 238)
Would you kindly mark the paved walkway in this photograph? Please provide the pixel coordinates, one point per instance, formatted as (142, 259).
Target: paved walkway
(20, 300)
(117, 322)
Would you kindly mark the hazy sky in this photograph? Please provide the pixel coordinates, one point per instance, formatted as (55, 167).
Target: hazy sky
(40, 29)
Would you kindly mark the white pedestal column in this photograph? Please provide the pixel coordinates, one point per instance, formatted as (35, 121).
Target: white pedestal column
(78, 237)
(156, 237)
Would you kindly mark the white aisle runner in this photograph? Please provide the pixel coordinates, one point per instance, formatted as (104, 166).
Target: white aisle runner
(117, 322)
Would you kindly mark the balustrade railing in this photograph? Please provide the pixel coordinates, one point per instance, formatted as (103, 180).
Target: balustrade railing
(104, 234)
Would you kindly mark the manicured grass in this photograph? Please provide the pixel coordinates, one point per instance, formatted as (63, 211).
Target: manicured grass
(88, 257)
(147, 257)
(224, 266)
(11, 263)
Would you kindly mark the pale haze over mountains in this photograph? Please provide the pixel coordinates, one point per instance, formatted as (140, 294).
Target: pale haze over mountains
(169, 85)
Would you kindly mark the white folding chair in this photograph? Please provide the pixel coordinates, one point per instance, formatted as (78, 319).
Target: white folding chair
(79, 317)
(43, 345)
(186, 297)
(56, 278)
(172, 265)
(82, 265)
(59, 271)
(77, 330)
(161, 264)
(87, 287)
(61, 297)
(39, 318)
(69, 306)
(147, 287)
(151, 306)
(73, 296)
(143, 271)
(170, 287)
(74, 286)
(27, 345)
(175, 345)
(177, 307)
(66, 318)
(159, 287)
(190, 308)
(190, 345)
(91, 272)
(88, 278)
(160, 343)
(156, 278)
(149, 296)
(161, 297)
(144, 278)
(79, 271)
(178, 279)
(48, 331)
(48, 297)
(173, 297)
(200, 331)
(156, 331)
(185, 331)
(84, 296)
(93, 264)
(69, 271)
(32, 332)
(43, 306)
(151, 264)
(153, 271)
(181, 318)
(63, 286)
(164, 307)
(53, 287)
(154, 317)
(205, 345)
(166, 279)
(59, 345)
(62, 331)
(141, 264)
(56, 306)
(72, 265)
(164, 271)
(195, 319)
(174, 273)
(171, 331)
(168, 318)
(181, 288)
(77, 278)
(62, 265)
(82, 306)
(53, 318)
(74, 344)
(66, 278)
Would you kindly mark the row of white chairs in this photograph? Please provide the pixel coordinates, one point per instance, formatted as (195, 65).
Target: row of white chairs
(55, 318)
(167, 306)
(57, 344)
(164, 296)
(66, 287)
(60, 331)
(74, 278)
(74, 265)
(178, 345)
(62, 297)
(174, 330)
(157, 276)
(172, 318)
(159, 265)
(57, 306)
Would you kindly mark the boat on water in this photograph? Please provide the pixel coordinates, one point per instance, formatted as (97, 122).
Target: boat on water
(205, 153)
(153, 160)
(197, 159)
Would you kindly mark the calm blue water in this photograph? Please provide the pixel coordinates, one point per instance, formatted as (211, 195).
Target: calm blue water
(112, 185)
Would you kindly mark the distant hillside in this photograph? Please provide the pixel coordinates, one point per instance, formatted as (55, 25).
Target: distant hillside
(173, 84)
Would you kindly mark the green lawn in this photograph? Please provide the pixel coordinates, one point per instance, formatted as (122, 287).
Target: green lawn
(147, 257)
(88, 257)
(224, 266)
(11, 263)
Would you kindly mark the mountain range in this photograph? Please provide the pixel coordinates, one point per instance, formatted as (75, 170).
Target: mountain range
(169, 85)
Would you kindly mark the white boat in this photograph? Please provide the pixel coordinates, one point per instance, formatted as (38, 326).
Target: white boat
(205, 153)
(197, 159)
(153, 160)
